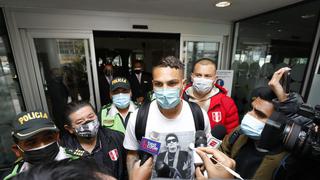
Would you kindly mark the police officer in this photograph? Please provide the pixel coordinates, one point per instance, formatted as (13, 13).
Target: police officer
(115, 115)
(35, 137)
(102, 144)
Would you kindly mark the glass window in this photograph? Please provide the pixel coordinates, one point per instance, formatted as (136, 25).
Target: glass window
(63, 71)
(270, 41)
(199, 49)
(10, 97)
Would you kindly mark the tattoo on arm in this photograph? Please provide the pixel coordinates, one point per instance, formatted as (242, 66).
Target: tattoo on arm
(132, 157)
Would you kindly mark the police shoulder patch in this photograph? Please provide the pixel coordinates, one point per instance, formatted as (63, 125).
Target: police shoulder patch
(75, 152)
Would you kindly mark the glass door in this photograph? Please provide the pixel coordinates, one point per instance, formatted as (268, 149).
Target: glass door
(11, 97)
(195, 47)
(64, 71)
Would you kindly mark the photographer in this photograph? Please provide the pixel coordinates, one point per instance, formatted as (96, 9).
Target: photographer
(255, 145)
(303, 160)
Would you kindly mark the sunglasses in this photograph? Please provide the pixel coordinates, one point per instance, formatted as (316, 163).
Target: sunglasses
(171, 141)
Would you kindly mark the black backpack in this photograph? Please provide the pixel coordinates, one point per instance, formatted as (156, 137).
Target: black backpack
(143, 112)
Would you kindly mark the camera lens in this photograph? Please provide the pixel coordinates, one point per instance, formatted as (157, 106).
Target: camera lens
(291, 136)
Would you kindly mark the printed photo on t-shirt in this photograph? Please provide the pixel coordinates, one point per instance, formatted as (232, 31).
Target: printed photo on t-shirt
(175, 159)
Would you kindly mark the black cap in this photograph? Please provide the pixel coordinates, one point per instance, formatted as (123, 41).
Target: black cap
(28, 124)
(119, 82)
(264, 93)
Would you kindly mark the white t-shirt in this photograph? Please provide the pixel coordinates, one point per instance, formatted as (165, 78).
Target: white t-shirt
(157, 122)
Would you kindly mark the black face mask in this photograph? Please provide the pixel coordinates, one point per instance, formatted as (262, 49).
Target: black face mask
(47, 153)
(137, 71)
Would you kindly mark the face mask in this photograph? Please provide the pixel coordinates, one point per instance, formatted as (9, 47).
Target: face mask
(202, 85)
(41, 154)
(251, 127)
(167, 98)
(88, 130)
(121, 100)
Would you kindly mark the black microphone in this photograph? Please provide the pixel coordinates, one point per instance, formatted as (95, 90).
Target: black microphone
(218, 132)
(200, 141)
(145, 156)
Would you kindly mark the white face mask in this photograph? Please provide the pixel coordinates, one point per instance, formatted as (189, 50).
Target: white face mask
(202, 85)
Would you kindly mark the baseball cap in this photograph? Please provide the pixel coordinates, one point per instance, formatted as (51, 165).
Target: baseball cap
(264, 93)
(119, 82)
(30, 123)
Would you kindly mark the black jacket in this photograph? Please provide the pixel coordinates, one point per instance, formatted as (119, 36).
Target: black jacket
(140, 89)
(104, 89)
(109, 153)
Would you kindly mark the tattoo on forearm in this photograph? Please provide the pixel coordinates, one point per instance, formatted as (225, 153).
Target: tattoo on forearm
(131, 159)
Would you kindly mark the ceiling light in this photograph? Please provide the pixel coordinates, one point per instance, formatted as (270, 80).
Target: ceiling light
(223, 4)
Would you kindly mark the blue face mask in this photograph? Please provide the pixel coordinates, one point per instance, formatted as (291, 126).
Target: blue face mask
(167, 98)
(251, 127)
(121, 100)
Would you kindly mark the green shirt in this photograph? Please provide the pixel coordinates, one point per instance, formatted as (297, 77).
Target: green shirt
(111, 118)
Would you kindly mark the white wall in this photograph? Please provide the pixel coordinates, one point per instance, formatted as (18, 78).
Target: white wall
(93, 20)
(21, 20)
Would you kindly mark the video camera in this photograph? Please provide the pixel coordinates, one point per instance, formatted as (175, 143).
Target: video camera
(301, 139)
(304, 139)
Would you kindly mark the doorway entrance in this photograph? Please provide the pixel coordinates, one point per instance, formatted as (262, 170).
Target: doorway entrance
(121, 49)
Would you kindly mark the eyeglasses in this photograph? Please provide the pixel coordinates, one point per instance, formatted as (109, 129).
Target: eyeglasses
(171, 141)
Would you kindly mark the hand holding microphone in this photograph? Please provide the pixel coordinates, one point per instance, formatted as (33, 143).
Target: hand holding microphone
(142, 172)
(218, 170)
(149, 147)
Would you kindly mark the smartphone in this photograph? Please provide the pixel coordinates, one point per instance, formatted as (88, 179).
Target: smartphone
(285, 81)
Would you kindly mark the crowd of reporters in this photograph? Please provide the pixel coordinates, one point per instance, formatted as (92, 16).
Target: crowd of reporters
(105, 145)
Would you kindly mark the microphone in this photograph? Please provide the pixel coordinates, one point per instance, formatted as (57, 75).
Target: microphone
(200, 141)
(218, 132)
(149, 147)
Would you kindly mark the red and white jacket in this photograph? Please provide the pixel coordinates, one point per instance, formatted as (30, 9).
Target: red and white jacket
(222, 109)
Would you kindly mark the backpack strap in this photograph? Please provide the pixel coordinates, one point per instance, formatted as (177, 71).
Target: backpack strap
(126, 120)
(197, 116)
(141, 121)
(185, 97)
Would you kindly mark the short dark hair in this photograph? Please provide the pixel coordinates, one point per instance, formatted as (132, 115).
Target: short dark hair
(82, 169)
(171, 135)
(172, 62)
(138, 62)
(204, 61)
(73, 107)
